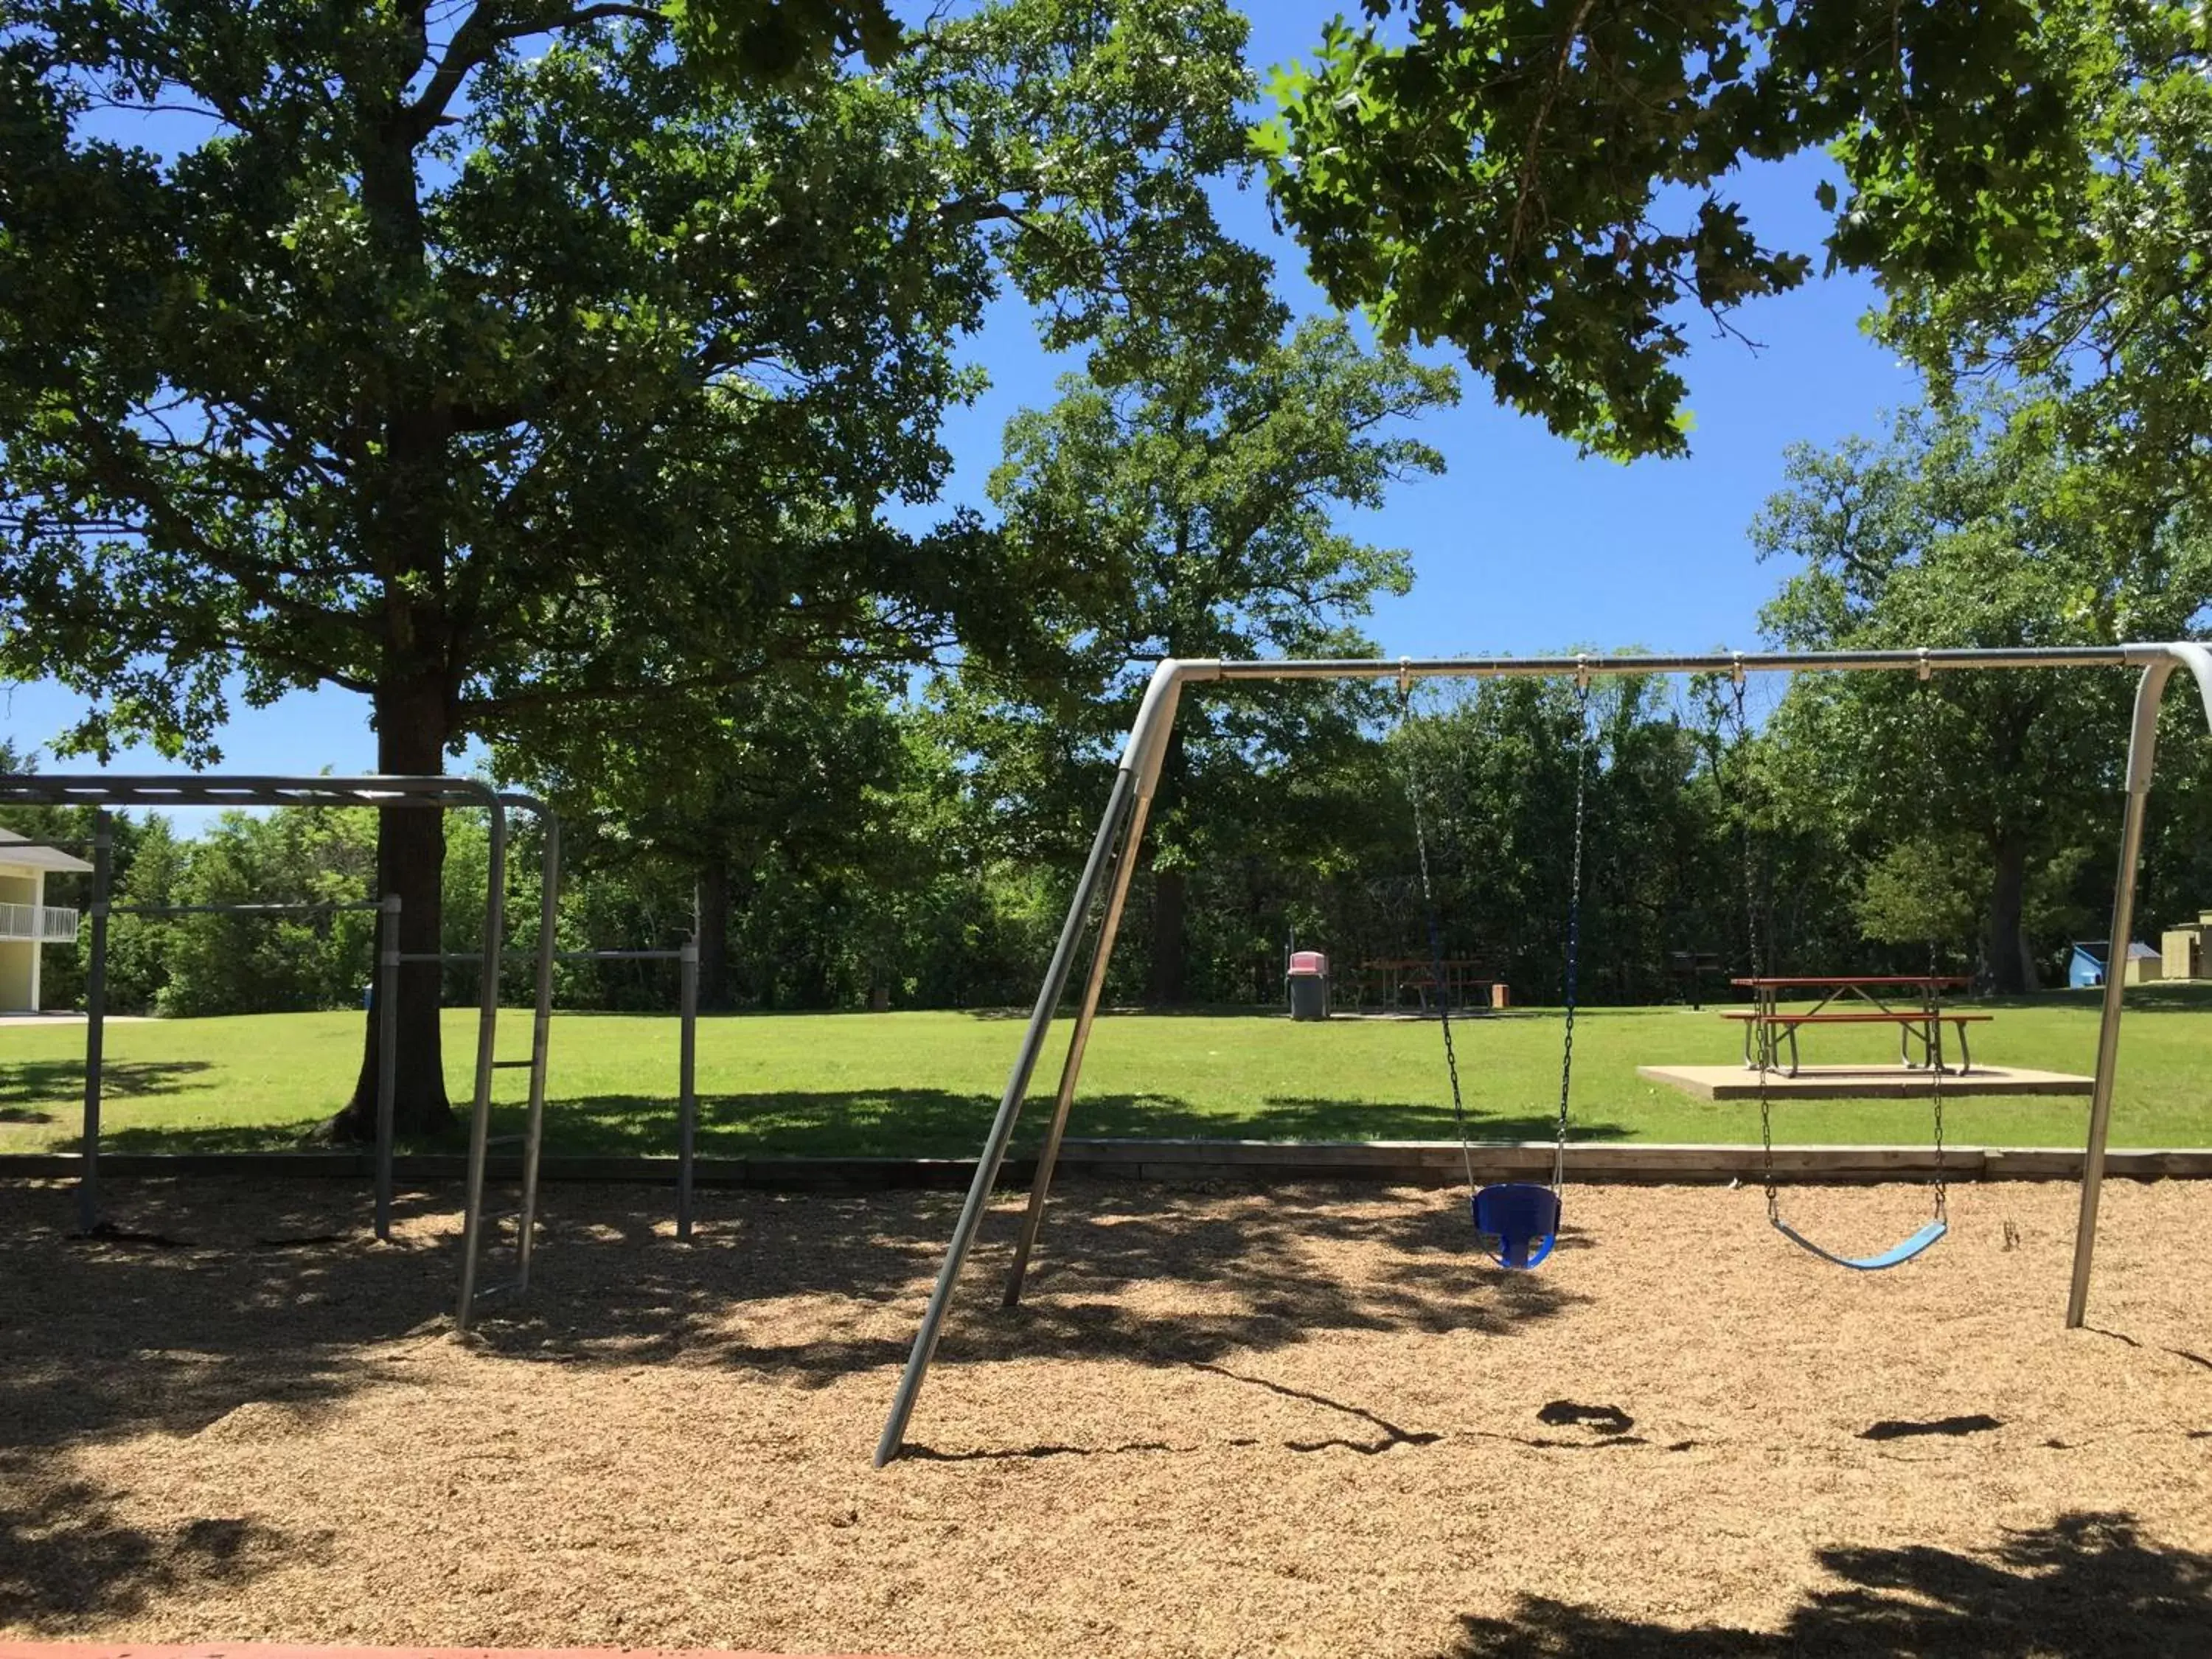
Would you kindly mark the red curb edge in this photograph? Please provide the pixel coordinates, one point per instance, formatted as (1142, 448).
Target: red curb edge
(298, 1650)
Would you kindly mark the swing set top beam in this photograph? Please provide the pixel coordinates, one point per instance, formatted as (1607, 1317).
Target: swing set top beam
(1719, 662)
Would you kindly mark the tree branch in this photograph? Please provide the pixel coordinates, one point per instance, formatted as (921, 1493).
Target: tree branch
(489, 27)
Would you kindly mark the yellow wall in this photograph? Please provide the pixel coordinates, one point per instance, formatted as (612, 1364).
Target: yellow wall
(17, 968)
(19, 959)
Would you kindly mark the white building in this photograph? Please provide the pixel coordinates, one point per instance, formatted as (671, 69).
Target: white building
(27, 922)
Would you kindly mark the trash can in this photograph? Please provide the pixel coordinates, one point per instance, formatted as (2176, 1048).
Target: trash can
(1499, 996)
(1309, 982)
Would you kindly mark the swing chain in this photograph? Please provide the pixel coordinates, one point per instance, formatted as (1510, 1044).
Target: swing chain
(1935, 1046)
(1574, 926)
(1435, 933)
(1762, 1038)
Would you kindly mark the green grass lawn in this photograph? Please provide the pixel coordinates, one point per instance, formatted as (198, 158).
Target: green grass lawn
(925, 1084)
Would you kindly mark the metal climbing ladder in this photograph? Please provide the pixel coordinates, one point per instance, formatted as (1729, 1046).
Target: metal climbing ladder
(476, 1223)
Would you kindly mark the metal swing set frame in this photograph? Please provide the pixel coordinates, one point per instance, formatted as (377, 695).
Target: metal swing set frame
(1104, 887)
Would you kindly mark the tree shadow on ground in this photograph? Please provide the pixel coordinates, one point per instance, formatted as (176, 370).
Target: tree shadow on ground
(2160, 996)
(891, 1123)
(275, 1293)
(65, 1556)
(277, 1307)
(942, 1123)
(28, 1082)
(2085, 1585)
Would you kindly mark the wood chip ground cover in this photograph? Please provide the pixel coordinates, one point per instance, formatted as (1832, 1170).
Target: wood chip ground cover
(1302, 1421)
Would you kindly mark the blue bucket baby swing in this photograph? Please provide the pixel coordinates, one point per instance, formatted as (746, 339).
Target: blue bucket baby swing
(1521, 1218)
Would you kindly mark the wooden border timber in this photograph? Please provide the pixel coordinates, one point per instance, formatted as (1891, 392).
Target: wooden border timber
(1419, 1163)
(1438, 1162)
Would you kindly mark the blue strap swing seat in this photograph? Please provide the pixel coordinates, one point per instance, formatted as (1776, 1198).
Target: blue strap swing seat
(1933, 1232)
(1896, 1256)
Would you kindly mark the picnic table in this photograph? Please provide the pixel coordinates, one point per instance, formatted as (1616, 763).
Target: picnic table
(1911, 1002)
(1466, 982)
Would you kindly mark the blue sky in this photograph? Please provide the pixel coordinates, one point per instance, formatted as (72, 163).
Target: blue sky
(1519, 547)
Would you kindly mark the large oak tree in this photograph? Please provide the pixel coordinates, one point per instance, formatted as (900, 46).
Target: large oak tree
(498, 362)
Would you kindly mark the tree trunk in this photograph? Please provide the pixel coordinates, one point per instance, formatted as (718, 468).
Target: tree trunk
(2012, 964)
(715, 994)
(410, 854)
(1170, 893)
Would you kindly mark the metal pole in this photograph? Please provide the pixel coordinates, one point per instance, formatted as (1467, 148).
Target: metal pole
(1002, 1126)
(1140, 762)
(687, 1092)
(487, 1029)
(95, 1020)
(1072, 1069)
(541, 1027)
(387, 1057)
(2143, 743)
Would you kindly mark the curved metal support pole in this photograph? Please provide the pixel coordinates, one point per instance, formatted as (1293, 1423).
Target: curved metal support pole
(1139, 762)
(1140, 758)
(2142, 745)
(1071, 1070)
(1002, 1126)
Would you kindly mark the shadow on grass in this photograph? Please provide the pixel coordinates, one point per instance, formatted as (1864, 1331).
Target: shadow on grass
(900, 1123)
(2087, 1585)
(26, 1082)
(2188, 997)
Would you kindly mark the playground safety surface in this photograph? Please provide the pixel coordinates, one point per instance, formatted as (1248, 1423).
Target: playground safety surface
(1228, 1420)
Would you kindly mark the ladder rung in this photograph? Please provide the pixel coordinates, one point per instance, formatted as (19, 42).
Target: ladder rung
(511, 1065)
(505, 1140)
(504, 1215)
(505, 1287)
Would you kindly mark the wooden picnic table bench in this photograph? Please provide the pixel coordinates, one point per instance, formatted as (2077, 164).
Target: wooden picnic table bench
(1908, 1021)
(1926, 1020)
(1467, 980)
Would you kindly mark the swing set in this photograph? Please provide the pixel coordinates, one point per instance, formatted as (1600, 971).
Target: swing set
(1522, 1217)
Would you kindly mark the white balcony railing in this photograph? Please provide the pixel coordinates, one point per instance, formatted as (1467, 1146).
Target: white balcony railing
(41, 922)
